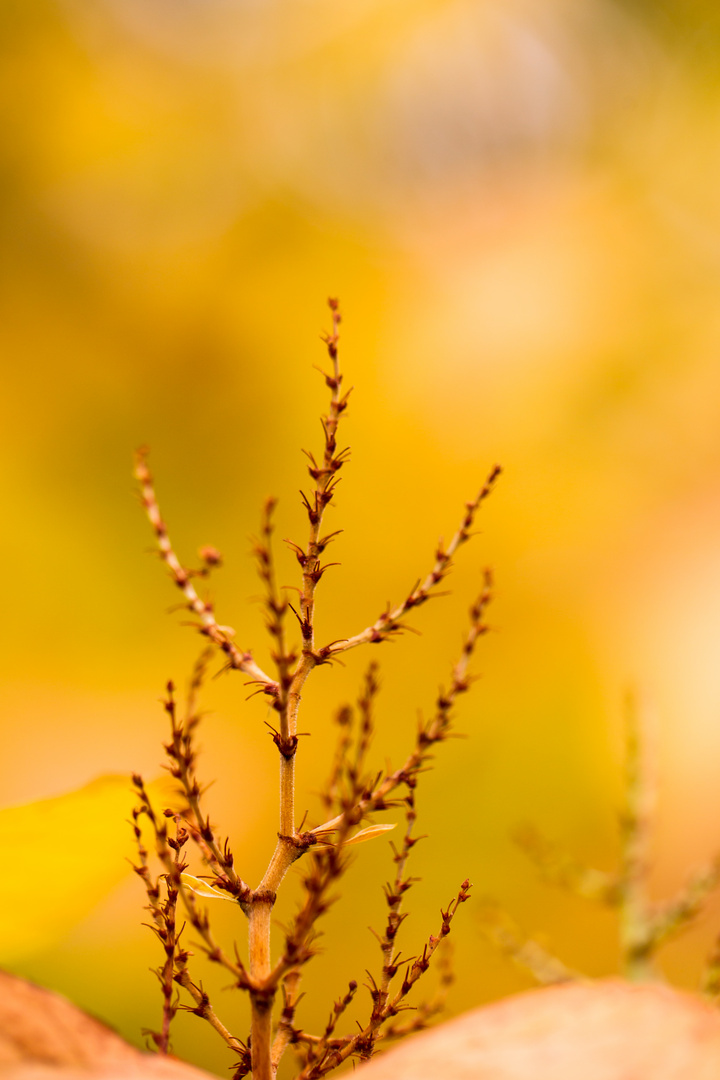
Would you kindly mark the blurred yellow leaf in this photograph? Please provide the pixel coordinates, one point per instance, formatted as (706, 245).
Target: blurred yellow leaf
(60, 857)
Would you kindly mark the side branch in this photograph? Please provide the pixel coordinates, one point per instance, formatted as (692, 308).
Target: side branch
(181, 753)
(276, 608)
(288, 694)
(636, 931)
(389, 622)
(559, 867)
(204, 1009)
(350, 791)
(438, 728)
(169, 852)
(546, 968)
(415, 970)
(163, 913)
(220, 636)
(319, 1045)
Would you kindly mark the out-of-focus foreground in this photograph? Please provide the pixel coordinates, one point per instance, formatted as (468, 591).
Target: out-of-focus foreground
(518, 205)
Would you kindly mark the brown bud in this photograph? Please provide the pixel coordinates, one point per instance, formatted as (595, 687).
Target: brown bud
(210, 555)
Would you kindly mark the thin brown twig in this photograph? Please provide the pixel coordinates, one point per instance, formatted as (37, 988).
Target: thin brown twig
(200, 922)
(424, 1012)
(394, 895)
(163, 914)
(439, 727)
(359, 799)
(330, 794)
(320, 1045)
(349, 784)
(174, 970)
(288, 970)
(181, 752)
(204, 1009)
(364, 797)
(276, 605)
(389, 621)
(219, 635)
(197, 917)
(357, 1045)
(286, 1033)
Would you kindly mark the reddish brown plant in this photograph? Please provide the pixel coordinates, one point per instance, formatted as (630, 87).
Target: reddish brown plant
(353, 793)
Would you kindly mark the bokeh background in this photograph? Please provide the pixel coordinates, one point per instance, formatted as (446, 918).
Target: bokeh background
(518, 204)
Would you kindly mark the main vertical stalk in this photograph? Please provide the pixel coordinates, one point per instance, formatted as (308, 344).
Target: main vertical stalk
(287, 848)
(287, 796)
(261, 1003)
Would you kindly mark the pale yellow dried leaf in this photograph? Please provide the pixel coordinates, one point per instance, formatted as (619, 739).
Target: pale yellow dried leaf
(368, 834)
(359, 838)
(328, 826)
(203, 888)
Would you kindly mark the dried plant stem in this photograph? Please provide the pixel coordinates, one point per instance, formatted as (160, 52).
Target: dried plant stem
(389, 621)
(394, 895)
(288, 846)
(360, 799)
(285, 1032)
(321, 1044)
(559, 867)
(438, 728)
(175, 968)
(351, 793)
(414, 971)
(206, 1011)
(219, 635)
(171, 941)
(426, 1010)
(325, 480)
(330, 794)
(671, 916)
(163, 914)
(182, 757)
(644, 924)
(276, 608)
(525, 951)
(276, 605)
(261, 1002)
(200, 923)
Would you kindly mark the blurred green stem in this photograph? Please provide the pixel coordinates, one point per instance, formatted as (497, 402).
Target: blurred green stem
(636, 922)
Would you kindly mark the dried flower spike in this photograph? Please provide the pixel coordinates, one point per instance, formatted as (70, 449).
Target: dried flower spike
(352, 794)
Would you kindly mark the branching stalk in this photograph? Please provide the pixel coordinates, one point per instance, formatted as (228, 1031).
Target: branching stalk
(351, 795)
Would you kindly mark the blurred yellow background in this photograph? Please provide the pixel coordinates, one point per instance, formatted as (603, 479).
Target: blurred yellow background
(518, 205)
